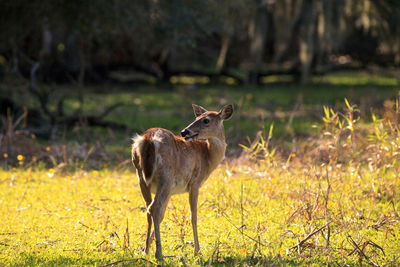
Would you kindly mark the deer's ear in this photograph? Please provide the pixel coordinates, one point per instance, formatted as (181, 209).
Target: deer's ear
(226, 112)
(198, 110)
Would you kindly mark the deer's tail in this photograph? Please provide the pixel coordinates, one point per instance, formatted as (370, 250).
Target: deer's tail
(143, 157)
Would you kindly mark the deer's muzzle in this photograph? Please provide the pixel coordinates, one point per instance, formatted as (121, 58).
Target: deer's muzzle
(188, 135)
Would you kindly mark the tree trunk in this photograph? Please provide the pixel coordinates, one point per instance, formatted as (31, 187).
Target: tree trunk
(321, 45)
(257, 33)
(81, 77)
(397, 41)
(285, 15)
(225, 42)
(306, 37)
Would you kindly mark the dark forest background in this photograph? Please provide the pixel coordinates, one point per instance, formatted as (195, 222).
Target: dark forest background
(79, 41)
(55, 55)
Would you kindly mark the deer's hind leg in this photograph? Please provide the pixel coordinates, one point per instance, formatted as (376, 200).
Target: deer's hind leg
(147, 198)
(157, 210)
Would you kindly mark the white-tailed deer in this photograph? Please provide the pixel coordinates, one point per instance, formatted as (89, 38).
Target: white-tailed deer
(168, 164)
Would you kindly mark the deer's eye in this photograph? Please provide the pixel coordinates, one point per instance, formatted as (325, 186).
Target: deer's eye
(206, 121)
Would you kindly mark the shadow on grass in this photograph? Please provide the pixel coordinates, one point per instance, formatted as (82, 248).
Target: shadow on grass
(94, 259)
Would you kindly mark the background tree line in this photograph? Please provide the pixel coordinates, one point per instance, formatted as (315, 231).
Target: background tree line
(87, 40)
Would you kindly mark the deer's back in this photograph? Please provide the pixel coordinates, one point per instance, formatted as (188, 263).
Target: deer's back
(162, 155)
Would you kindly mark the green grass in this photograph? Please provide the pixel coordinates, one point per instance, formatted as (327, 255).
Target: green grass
(169, 106)
(248, 214)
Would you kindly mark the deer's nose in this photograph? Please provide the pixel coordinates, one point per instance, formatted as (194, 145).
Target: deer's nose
(184, 132)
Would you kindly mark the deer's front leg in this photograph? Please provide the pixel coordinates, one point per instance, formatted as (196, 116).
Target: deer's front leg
(193, 196)
(157, 210)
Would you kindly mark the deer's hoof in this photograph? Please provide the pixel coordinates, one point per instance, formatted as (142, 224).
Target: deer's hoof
(197, 252)
(159, 255)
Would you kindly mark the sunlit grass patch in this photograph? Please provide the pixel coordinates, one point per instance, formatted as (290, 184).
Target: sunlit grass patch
(62, 215)
(277, 78)
(184, 79)
(360, 78)
(248, 214)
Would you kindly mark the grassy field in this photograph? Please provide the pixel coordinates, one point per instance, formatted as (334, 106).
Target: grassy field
(248, 215)
(329, 196)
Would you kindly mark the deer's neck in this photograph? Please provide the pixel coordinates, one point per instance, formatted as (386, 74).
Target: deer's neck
(216, 148)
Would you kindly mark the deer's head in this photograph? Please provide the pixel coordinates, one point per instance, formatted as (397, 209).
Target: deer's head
(208, 124)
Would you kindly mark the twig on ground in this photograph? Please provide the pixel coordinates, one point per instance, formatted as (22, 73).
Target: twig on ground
(215, 251)
(385, 220)
(84, 225)
(328, 237)
(240, 230)
(278, 257)
(294, 214)
(377, 246)
(299, 244)
(365, 244)
(360, 251)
